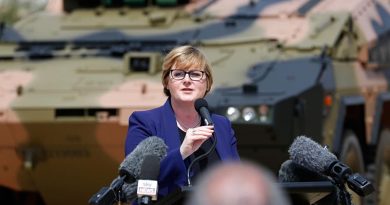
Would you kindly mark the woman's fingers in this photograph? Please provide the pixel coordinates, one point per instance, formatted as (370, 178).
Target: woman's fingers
(194, 138)
(203, 130)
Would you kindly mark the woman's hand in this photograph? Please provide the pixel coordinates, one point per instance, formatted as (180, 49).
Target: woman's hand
(194, 139)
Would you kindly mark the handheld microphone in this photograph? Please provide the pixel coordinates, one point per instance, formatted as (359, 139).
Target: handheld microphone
(129, 172)
(147, 184)
(309, 154)
(202, 107)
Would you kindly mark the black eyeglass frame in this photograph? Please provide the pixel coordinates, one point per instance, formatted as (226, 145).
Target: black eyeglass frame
(185, 73)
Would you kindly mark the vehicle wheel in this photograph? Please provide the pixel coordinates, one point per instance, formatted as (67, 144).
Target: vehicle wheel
(382, 164)
(371, 199)
(351, 154)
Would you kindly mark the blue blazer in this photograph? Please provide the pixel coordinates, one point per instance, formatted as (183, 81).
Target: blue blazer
(161, 122)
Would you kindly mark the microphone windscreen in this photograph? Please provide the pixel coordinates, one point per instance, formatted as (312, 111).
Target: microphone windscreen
(309, 154)
(131, 165)
(293, 172)
(130, 191)
(150, 168)
(200, 102)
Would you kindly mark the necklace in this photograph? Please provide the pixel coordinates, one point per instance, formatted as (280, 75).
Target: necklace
(185, 128)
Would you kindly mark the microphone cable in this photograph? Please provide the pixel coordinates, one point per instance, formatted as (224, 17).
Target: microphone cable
(214, 137)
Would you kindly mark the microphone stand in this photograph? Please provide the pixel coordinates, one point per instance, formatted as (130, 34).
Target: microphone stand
(214, 137)
(145, 200)
(341, 174)
(108, 195)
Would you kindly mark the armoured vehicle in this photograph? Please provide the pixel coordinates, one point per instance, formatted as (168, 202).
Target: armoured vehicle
(70, 80)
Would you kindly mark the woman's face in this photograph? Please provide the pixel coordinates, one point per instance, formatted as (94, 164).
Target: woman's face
(186, 89)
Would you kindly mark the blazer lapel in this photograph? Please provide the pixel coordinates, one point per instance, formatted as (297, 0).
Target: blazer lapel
(220, 146)
(169, 127)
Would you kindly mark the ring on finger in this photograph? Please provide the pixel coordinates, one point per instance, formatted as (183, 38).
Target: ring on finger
(193, 131)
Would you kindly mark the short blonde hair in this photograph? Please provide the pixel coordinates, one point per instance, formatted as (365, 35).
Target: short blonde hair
(185, 57)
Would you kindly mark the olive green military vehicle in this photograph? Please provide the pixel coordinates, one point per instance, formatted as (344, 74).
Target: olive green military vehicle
(13, 10)
(69, 81)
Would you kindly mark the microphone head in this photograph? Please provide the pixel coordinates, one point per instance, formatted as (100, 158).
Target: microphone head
(292, 172)
(309, 154)
(131, 165)
(201, 107)
(150, 168)
(199, 103)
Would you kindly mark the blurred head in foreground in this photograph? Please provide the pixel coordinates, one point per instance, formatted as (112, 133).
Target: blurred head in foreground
(237, 183)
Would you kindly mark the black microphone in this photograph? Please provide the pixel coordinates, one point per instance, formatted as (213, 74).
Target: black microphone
(202, 108)
(129, 172)
(292, 172)
(147, 184)
(309, 154)
(131, 165)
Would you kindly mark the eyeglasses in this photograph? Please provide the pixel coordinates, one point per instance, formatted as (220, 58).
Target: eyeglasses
(194, 75)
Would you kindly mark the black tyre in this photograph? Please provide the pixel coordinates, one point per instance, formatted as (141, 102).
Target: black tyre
(382, 164)
(371, 199)
(351, 154)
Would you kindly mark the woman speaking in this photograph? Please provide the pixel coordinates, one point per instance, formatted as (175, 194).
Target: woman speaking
(186, 77)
